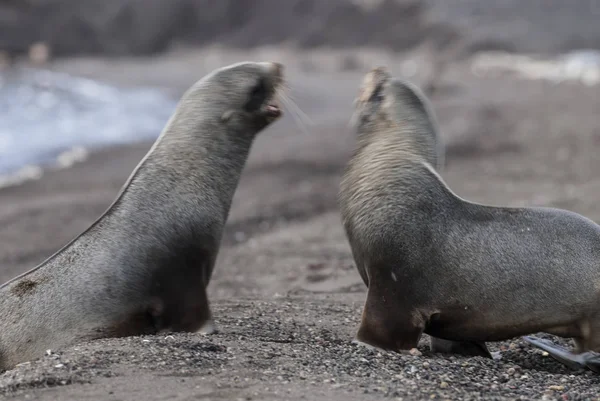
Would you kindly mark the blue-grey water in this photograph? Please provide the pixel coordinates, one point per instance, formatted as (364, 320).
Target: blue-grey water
(44, 113)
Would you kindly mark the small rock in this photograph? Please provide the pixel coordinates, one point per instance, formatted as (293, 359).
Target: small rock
(415, 352)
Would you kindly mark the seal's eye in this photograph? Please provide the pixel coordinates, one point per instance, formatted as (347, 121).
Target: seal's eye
(257, 96)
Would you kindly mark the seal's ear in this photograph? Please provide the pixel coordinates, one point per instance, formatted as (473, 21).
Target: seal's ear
(227, 116)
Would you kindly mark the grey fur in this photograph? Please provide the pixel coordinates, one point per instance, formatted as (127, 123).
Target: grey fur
(585, 360)
(144, 265)
(436, 263)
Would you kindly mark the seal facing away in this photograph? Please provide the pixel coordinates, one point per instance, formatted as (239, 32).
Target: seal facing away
(434, 263)
(144, 265)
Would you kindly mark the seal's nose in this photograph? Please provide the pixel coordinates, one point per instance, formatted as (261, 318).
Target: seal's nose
(273, 68)
(274, 71)
(277, 68)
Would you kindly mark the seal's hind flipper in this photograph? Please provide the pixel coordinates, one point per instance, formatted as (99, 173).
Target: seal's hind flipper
(466, 348)
(561, 354)
(592, 361)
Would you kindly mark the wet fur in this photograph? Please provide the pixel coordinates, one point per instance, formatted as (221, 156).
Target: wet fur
(144, 265)
(435, 263)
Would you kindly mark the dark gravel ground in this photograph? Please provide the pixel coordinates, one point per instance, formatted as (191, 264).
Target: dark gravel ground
(285, 349)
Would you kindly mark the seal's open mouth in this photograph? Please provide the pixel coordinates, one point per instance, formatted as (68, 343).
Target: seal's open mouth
(272, 110)
(269, 89)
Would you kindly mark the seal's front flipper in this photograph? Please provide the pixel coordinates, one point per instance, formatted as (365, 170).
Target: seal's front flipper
(388, 324)
(561, 354)
(209, 328)
(466, 348)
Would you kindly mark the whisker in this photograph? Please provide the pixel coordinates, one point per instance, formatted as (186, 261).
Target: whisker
(300, 118)
(286, 86)
(289, 98)
(287, 89)
(299, 111)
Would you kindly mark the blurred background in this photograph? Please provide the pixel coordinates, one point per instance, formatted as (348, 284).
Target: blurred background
(87, 85)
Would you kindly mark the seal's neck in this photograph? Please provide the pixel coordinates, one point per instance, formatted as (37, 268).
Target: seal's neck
(200, 163)
(398, 144)
(405, 124)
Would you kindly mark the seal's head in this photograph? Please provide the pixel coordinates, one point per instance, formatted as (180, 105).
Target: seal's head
(382, 97)
(388, 107)
(242, 96)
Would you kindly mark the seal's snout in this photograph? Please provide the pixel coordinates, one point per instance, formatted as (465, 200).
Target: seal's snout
(273, 68)
(277, 69)
(272, 109)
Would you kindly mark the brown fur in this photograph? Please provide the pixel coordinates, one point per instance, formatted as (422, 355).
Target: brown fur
(24, 287)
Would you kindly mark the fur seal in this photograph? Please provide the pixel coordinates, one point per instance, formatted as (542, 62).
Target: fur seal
(144, 265)
(462, 272)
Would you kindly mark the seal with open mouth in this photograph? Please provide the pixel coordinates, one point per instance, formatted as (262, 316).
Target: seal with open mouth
(144, 265)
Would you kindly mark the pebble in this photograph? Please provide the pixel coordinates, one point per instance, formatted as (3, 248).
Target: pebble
(415, 352)
(250, 351)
